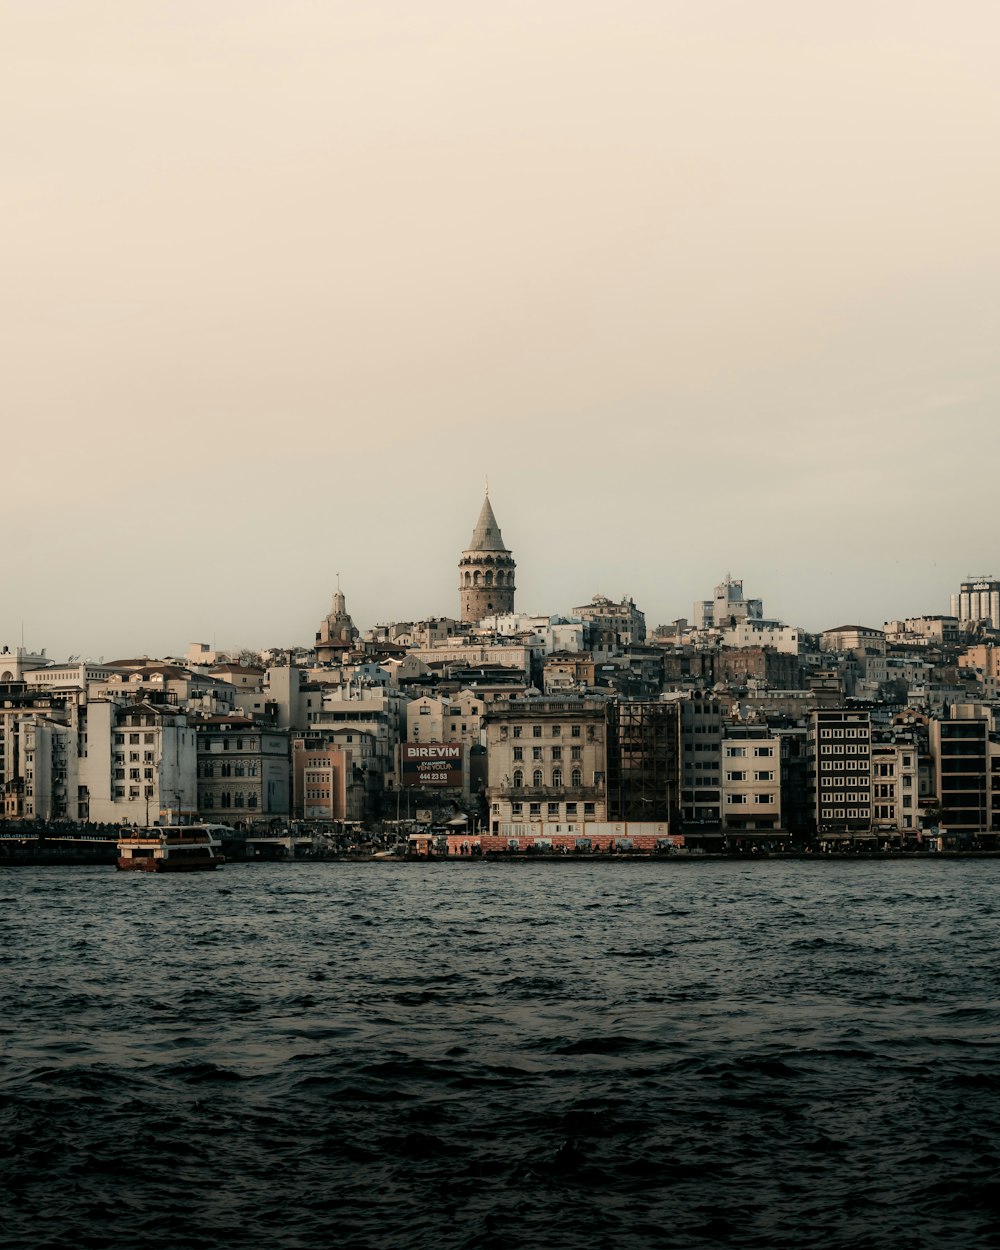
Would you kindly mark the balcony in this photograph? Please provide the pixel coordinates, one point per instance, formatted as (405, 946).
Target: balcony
(552, 793)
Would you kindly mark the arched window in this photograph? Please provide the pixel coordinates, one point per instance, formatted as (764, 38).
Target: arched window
(536, 777)
(475, 578)
(576, 778)
(489, 577)
(557, 776)
(468, 578)
(518, 779)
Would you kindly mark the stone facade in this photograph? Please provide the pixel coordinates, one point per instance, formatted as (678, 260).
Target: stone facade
(486, 571)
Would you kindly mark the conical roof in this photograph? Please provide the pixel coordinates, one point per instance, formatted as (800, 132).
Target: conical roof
(486, 536)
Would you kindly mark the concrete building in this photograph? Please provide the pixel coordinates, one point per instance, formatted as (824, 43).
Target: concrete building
(978, 599)
(611, 626)
(960, 747)
(895, 783)
(486, 571)
(727, 607)
(701, 731)
(751, 779)
(840, 758)
(547, 761)
(140, 766)
(451, 718)
(328, 777)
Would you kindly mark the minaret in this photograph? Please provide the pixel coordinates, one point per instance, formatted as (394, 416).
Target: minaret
(486, 570)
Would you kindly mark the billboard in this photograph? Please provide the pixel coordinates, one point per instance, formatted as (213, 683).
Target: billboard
(433, 764)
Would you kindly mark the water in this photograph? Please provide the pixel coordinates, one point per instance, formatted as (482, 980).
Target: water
(629, 1054)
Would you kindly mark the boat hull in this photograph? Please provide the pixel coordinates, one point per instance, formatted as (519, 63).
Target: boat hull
(148, 864)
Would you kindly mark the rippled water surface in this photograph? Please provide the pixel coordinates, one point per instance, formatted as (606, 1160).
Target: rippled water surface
(497, 1055)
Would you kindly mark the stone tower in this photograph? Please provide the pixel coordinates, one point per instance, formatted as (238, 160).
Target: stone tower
(486, 570)
(336, 633)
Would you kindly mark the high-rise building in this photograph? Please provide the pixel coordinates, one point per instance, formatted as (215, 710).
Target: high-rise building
(486, 571)
(978, 599)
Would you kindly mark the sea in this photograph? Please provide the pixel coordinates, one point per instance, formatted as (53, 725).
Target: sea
(666, 1053)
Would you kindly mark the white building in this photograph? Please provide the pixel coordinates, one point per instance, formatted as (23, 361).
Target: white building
(978, 599)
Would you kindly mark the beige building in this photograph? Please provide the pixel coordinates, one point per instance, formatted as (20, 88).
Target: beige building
(751, 781)
(456, 718)
(895, 784)
(547, 762)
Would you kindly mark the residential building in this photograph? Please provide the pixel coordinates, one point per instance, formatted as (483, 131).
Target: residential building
(751, 779)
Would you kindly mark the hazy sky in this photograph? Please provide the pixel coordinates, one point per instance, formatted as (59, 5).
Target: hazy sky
(701, 286)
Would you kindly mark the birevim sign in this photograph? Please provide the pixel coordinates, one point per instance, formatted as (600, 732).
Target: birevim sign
(436, 764)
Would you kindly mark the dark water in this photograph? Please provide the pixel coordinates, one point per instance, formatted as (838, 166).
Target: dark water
(479, 1055)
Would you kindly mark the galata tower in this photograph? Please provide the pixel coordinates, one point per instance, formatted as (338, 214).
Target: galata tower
(486, 570)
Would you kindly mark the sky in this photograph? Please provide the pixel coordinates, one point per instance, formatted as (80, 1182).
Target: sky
(702, 288)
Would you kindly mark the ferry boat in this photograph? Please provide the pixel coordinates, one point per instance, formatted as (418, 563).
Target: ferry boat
(176, 848)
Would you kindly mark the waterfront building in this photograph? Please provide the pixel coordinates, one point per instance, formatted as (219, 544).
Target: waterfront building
(895, 781)
(840, 761)
(701, 729)
(328, 775)
(243, 770)
(140, 765)
(547, 762)
(486, 571)
(751, 779)
(643, 762)
(960, 747)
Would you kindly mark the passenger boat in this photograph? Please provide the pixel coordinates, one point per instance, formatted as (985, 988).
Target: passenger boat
(177, 848)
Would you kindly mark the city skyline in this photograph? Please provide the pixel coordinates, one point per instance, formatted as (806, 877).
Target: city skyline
(702, 289)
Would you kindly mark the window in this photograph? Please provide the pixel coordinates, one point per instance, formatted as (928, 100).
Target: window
(553, 809)
(518, 779)
(736, 800)
(536, 731)
(557, 753)
(763, 776)
(576, 753)
(536, 777)
(556, 730)
(574, 731)
(557, 776)
(740, 776)
(516, 808)
(534, 809)
(588, 809)
(517, 731)
(763, 800)
(576, 777)
(519, 753)
(570, 809)
(734, 753)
